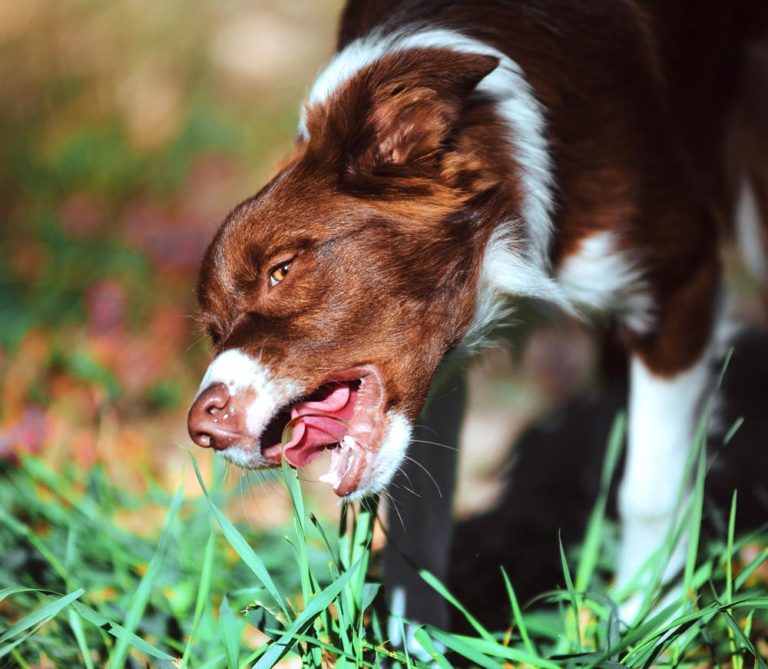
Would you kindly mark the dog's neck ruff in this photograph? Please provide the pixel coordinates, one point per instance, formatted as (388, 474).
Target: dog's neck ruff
(513, 264)
(516, 105)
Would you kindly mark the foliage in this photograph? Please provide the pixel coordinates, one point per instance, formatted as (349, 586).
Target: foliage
(80, 590)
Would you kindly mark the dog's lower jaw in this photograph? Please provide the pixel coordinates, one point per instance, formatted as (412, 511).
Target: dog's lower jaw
(385, 461)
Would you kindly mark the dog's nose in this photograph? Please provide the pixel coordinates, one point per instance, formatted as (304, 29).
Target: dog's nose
(211, 421)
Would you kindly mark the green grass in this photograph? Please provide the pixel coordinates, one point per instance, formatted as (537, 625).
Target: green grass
(78, 589)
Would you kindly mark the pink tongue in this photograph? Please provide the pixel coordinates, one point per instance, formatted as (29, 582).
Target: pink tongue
(312, 434)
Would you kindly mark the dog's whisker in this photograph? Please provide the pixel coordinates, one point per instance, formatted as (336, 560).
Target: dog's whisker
(393, 503)
(424, 426)
(427, 472)
(408, 489)
(434, 443)
(194, 343)
(244, 477)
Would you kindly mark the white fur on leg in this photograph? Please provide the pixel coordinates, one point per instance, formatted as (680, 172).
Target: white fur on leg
(397, 623)
(662, 416)
(749, 233)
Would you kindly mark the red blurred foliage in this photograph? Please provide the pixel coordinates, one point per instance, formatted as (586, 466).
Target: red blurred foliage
(106, 304)
(25, 434)
(174, 233)
(82, 215)
(170, 239)
(139, 360)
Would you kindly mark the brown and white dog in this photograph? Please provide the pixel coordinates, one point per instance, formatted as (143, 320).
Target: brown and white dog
(454, 156)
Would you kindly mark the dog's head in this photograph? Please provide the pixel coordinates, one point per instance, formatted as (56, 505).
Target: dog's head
(333, 294)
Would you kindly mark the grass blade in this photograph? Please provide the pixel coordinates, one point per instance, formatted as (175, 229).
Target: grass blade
(465, 647)
(571, 592)
(697, 507)
(229, 634)
(42, 615)
(590, 549)
(426, 643)
(118, 656)
(246, 553)
(437, 585)
(9, 592)
(314, 607)
(119, 632)
(750, 569)
(517, 614)
(76, 625)
(203, 591)
(736, 660)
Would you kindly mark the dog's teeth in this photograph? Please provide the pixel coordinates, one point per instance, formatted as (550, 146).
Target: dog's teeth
(348, 442)
(331, 478)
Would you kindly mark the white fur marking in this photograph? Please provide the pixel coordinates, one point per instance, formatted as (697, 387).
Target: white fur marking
(395, 622)
(749, 233)
(242, 457)
(600, 277)
(662, 419)
(394, 444)
(506, 272)
(343, 66)
(241, 373)
(391, 450)
(507, 85)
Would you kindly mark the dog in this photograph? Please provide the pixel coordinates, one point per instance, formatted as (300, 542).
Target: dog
(454, 157)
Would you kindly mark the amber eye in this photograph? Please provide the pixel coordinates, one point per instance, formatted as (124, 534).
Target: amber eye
(278, 273)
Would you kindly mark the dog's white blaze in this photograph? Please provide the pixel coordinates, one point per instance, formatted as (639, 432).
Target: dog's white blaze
(516, 104)
(662, 417)
(601, 277)
(241, 373)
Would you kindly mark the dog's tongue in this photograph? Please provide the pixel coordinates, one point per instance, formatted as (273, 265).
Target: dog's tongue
(318, 424)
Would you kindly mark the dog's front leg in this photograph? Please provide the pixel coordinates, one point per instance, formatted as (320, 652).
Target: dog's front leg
(669, 376)
(420, 513)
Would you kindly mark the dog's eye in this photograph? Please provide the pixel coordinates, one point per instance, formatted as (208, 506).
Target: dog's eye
(278, 273)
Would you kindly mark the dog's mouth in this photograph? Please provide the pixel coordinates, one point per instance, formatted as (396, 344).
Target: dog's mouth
(344, 415)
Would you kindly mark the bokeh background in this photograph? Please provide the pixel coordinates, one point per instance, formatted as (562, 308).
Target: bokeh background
(129, 129)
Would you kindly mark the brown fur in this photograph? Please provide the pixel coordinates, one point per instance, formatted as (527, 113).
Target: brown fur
(384, 270)
(386, 209)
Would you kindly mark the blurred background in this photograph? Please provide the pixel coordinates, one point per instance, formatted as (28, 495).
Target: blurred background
(129, 129)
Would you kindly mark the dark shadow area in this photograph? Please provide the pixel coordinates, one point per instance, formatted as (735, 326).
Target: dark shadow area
(554, 477)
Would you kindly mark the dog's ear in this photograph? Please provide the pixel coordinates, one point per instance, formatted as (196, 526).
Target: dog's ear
(412, 116)
(399, 114)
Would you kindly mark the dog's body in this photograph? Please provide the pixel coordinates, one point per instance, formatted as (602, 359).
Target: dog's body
(451, 156)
